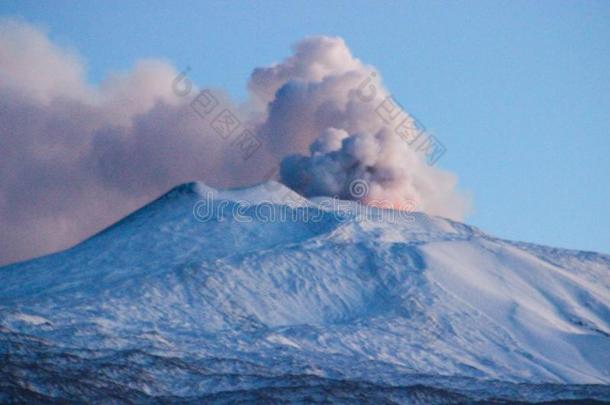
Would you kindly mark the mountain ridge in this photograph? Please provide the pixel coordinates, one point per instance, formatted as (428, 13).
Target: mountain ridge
(358, 295)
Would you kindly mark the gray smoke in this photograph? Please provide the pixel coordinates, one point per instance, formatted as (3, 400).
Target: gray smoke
(76, 157)
(333, 110)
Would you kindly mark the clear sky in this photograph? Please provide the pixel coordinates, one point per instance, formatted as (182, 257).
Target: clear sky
(518, 91)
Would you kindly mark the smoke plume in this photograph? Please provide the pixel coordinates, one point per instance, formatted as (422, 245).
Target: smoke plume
(76, 157)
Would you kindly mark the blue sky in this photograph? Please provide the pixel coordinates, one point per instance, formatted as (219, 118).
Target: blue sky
(519, 92)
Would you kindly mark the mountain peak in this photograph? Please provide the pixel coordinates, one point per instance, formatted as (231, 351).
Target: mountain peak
(190, 188)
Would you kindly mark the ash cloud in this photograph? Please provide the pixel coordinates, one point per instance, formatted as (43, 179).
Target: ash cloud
(334, 111)
(75, 157)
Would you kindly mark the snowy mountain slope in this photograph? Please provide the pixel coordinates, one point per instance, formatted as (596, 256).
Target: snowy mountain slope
(165, 305)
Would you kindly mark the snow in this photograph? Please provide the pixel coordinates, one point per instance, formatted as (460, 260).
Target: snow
(31, 319)
(357, 295)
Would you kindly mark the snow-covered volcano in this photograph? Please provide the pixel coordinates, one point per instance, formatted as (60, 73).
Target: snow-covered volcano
(354, 305)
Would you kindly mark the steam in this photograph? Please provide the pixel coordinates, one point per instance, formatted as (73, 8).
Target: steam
(76, 157)
(333, 110)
